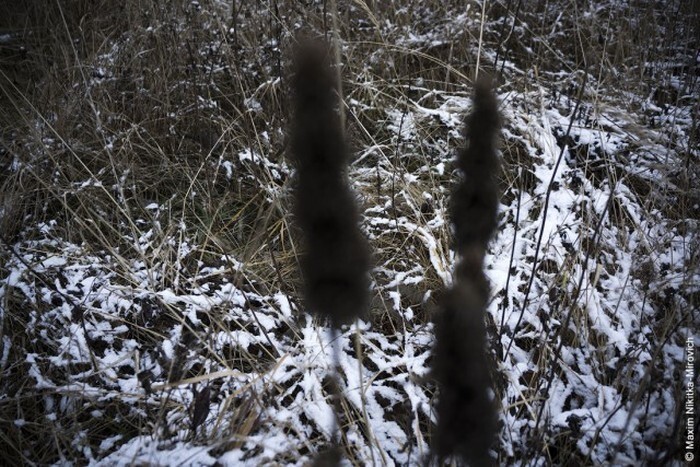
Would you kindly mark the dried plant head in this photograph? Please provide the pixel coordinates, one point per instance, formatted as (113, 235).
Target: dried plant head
(335, 264)
(466, 415)
(474, 203)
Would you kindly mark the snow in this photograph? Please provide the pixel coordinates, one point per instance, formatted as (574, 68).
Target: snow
(144, 450)
(146, 331)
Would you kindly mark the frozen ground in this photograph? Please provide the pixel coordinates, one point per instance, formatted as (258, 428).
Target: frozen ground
(162, 325)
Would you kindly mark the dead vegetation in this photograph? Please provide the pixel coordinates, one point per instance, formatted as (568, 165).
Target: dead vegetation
(150, 297)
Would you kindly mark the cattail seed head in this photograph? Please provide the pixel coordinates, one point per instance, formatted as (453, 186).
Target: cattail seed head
(474, 202)
(335, 264)
(466, 415)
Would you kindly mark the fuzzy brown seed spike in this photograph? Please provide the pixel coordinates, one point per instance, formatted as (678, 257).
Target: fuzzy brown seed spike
(475, 201)
(335, 264)
(466, 415)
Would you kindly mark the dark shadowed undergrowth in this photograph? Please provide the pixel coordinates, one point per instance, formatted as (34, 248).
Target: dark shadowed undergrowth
(151, 300)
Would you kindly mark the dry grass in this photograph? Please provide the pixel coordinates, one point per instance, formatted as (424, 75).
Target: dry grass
(108, 111)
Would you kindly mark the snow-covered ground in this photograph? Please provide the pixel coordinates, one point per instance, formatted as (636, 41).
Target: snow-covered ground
(137, 330)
